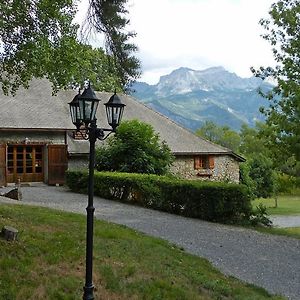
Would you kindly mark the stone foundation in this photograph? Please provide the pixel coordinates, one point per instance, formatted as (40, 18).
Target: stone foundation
(78, 163)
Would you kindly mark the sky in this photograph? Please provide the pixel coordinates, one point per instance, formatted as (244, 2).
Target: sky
(197, 34)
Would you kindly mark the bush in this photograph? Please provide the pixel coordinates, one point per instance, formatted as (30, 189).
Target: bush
(247, 180)
(135, 148)
(210, 201)
(260, 216)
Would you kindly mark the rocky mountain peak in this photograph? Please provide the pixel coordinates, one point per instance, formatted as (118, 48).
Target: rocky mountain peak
(186, 80)
(190, 97)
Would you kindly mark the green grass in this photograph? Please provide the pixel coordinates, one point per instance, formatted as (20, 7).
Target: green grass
(293, 232)
(287, 205)
(47, 262)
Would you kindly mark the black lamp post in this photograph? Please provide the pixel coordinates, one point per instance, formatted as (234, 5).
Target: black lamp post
(83, 112)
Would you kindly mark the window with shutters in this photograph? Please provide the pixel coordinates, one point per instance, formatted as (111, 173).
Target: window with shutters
(204, 162)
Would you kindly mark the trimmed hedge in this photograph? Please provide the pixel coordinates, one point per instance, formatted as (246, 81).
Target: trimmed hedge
(212, 201)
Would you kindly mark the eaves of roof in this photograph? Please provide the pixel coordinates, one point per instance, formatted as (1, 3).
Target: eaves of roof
(34, 129)
(236, 156)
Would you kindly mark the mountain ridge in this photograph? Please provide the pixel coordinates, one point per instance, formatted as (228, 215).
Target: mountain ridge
(191, 97)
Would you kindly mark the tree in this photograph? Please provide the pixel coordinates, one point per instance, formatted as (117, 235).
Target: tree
(255, 140)
(135, 148)
(38, 38)
(258, 170)
(253, 143)
(221, 135)
(261, 172)
(109, 17)
(283, 115)
(98, 68)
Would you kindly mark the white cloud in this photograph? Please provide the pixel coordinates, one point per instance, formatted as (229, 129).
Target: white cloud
(199, 34)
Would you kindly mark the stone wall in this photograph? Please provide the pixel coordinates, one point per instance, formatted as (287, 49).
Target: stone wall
(226, 168)
(78, 163)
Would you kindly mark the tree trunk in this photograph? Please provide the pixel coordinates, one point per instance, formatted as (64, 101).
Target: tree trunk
(9, 233)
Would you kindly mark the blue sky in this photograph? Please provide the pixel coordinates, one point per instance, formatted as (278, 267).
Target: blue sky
(198, 34)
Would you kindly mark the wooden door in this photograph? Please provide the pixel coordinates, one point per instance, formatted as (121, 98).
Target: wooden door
(2, 165)
(25, 163)
(57, 164)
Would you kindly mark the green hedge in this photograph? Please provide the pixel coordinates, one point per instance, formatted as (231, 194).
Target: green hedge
(212, 201)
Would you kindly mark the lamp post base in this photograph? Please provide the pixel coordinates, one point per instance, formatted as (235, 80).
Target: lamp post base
(88, 293)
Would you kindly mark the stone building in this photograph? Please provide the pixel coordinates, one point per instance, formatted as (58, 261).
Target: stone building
(38, 141)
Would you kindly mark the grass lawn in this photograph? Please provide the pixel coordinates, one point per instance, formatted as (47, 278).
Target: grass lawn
(291, 231)
(287, 205)
(47, 262)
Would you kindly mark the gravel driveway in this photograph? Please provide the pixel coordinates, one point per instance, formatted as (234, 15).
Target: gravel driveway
(286, 221)
(269, 261)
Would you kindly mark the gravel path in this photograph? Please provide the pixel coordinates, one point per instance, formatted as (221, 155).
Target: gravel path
(269, 261)
(286, 221)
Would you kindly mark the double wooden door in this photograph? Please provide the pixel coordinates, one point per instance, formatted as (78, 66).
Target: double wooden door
(25, 163)
(33, 163)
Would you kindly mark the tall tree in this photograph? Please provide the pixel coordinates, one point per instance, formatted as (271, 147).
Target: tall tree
(283, 116)
(221, 135)
(38, 38)
(256, 140)
(109, 17)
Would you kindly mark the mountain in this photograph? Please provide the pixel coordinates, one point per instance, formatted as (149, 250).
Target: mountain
(191, 97)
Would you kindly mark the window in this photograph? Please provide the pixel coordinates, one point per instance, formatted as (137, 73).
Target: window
(204, 162)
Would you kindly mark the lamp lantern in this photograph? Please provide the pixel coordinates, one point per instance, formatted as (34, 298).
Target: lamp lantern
(88, 104)
(114, 111)
(75, 112)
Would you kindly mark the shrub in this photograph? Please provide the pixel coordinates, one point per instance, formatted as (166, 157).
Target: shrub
(260, 216)
(246, 179)
(77, 181)
(135, 148)
(222, 202)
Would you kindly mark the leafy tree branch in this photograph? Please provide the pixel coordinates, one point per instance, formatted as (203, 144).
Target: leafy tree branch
(38, 38)
(283, 115)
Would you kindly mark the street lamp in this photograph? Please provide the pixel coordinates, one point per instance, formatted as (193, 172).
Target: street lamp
(83, 113)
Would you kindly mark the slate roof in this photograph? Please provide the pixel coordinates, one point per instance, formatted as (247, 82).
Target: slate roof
(36, 108)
